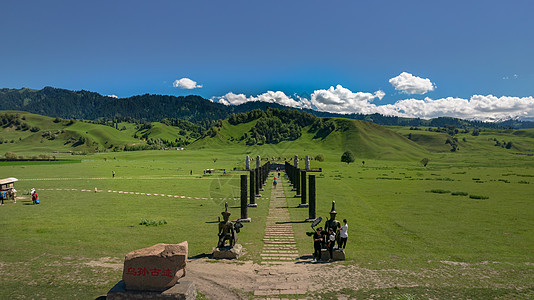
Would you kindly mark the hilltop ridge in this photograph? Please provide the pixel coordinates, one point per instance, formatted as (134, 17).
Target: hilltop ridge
(62, 103)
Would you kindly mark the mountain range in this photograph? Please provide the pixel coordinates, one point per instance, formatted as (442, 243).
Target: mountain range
(67, 104)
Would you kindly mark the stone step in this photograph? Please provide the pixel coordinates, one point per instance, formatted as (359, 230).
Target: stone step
(279, 255)
(279, 250)
(278, 258)
(279, 243)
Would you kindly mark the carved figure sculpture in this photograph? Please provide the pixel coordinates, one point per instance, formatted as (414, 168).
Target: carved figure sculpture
(332, 223)
(226, 229)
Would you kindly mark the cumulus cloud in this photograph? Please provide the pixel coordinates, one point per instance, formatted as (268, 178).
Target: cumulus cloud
(408, 84)
(479, 107)
(343, 100)
(338, 99)
(270, 97)
(186, 84)
(112, 96)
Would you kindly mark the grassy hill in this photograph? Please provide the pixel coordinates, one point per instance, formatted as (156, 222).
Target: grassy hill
(30, 133)
(484, 140)
(364, 139)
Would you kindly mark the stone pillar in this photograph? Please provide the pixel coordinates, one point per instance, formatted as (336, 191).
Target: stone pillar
(252, 189)
(257, 180)
(307, 163)
(313, 198)
(247, 163)
(262, 177)
(303, 189)
(244, 209)
(297, 183)
(258, 162)
(288, 172)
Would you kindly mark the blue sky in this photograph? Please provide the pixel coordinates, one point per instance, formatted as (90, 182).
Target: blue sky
(328, 55)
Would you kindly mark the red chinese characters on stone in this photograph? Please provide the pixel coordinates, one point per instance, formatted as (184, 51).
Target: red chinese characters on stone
(131, 271)
(142, 272)
(167, 272)
(152, 272)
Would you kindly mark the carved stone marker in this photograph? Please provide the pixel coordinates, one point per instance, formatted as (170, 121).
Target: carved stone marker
(247, 163)
(154, 273)
(155, 268)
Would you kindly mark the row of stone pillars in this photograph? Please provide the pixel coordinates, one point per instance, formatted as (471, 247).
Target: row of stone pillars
(297, 178)
(258, 177)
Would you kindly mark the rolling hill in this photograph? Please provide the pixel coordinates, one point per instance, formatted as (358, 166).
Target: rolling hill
(284, 130)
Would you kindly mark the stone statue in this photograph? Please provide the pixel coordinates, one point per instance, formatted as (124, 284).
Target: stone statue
(332, 222)
(227, 230)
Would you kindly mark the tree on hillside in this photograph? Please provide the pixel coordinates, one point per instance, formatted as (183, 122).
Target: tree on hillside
(425, 161)
(347, 157)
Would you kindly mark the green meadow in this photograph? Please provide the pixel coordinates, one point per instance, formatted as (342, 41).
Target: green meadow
(468, 211)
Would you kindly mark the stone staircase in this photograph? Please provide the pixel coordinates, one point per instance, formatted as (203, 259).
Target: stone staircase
(279, 240)
(280, 276)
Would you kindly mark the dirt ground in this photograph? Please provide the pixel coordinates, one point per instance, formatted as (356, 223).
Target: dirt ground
(244, 279)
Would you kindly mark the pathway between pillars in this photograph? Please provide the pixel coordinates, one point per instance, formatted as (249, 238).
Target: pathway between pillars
(280, 275)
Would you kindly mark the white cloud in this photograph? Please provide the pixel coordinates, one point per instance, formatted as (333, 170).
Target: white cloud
(342, 100)
(112, 96)
(186, 83)
(409, 84)
(270, 97)
(487, 108)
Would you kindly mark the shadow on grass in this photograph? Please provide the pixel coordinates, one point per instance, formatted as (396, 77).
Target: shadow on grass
(308, 259)
(201, 255)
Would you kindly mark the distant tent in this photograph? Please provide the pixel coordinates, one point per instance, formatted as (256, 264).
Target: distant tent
(7, 183)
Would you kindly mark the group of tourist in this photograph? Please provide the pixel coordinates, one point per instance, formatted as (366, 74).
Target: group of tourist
(327, 240)
(11, 193)
(333, 233)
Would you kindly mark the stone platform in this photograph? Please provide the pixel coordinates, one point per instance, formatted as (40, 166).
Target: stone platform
(183, 290)
(228, 252)
(339, 254)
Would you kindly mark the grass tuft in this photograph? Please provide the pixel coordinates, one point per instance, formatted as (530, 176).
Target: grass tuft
(152, 222)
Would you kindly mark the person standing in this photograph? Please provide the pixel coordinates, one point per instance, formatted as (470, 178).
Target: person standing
(113, 174)
(14, 195)
(3, 195)
(330, 242)
(343, 235)
(274, 183)
(318, 237)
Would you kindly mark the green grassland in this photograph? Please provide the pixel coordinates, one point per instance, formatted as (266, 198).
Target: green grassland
(402, 216)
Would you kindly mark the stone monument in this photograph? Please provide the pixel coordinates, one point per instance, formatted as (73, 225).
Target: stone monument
(228, 232)
(155, 272)
(335, 225)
